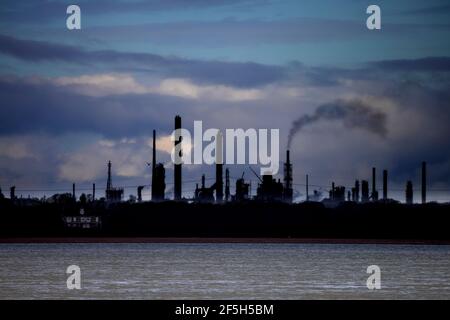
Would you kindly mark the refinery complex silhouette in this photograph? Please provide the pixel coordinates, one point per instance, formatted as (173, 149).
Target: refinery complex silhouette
(213, 211)
(268, 189)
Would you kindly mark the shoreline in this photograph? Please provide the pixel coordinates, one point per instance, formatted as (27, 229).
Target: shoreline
(28, 240)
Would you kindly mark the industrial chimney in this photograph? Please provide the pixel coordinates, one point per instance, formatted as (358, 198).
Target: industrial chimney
(288, 179)
(385, 177)
(424, 182)
(177, 168)
(356, 191)
(139, 193)
(153, 165)
(374, 185)
(12, 193)
(158, 175)
(219, 167)
(227, 185)
(409, 192)
(364, 191)
(219, 182)
(109, 181)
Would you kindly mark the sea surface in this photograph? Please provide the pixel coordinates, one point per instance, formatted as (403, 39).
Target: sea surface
(224, 271)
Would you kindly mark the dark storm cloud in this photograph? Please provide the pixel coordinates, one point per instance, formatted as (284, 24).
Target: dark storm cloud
(325, 76)
(423, 64)
(44, 10)
(36, 51)
(240, 74)
(232, 32)
(34, 108)
(236, 32)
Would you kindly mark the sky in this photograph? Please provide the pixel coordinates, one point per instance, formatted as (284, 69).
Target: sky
(73, 99)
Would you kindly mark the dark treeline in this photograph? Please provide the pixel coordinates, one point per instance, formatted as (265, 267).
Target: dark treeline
(376, 220)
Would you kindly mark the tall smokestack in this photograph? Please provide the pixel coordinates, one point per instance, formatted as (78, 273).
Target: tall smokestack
(374, 185)
(374, 182)
(93, 192)
(409, 192)
(219, 167)
(288, 192)
(139, 193)
(227, 185)
(177, 169)
(424, 182)
(385, 177)
(12, 193)
(219, 182)
(364, 191)
(109, 182)
(357, 191)
(154, 165)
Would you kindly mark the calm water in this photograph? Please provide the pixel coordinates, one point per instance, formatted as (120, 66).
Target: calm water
(223, 271)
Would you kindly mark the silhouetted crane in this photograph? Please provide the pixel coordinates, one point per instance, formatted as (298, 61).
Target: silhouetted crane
(259, 178)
